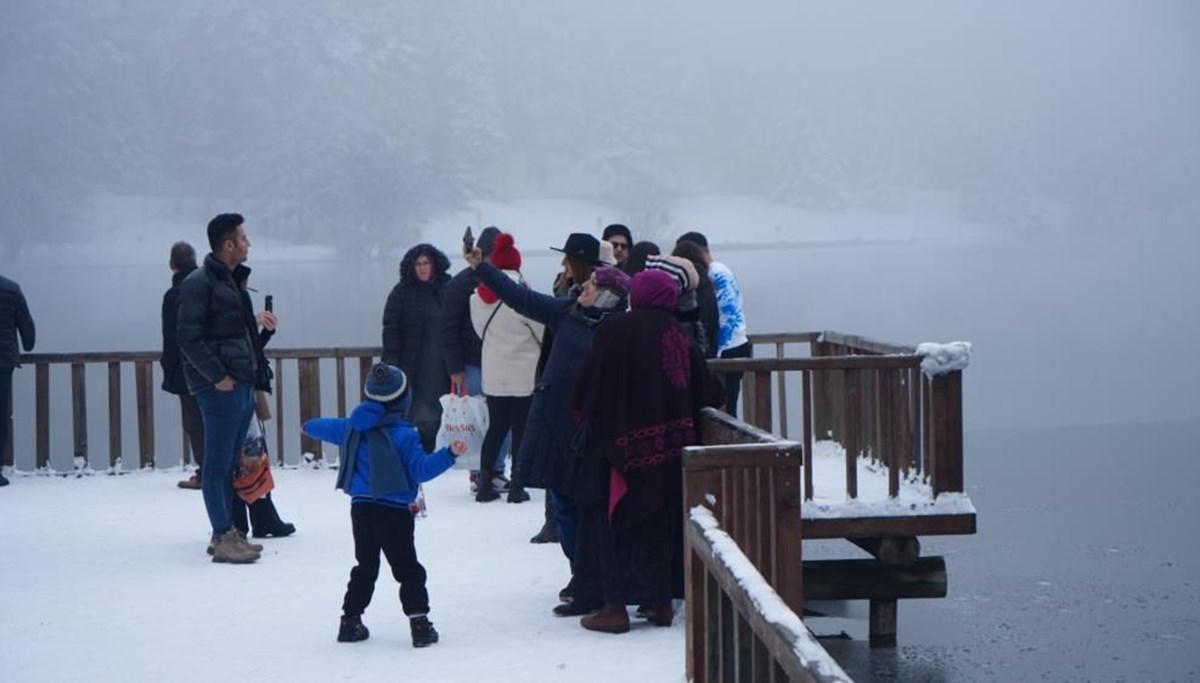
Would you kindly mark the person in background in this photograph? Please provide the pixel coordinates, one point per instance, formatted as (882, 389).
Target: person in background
(607, 257)
(15, 321)
(687, 314)
(182, 262)
(706, 297)
(461, 346)
(511, 345)
(636, 262)
(622, 241)
(224, 363)
(411, 335)
(731, 335)
(382, 463)
(638, 396)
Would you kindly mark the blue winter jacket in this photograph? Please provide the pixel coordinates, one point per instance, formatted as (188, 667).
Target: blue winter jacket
(421, 466)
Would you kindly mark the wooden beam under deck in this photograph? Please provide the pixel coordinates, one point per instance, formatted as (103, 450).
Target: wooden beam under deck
(880, 527)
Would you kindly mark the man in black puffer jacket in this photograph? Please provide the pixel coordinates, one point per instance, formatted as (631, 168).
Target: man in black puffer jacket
(223, 362)
(14, 320)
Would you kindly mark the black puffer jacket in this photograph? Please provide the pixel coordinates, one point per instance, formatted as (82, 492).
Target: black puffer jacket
(217, 330)
(460, 345)
(412, 332)
(14, 320)
(172, 363)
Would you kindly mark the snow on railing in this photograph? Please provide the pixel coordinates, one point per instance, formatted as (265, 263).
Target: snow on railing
(778, 621)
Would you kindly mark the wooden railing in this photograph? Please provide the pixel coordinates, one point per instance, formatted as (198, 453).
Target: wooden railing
(869, 396)
(748, 481)
(306, 363)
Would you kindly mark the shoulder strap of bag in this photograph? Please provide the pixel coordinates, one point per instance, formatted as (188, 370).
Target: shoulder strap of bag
(489, 321)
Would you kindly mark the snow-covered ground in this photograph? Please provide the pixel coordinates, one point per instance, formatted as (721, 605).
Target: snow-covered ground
(106, 579)
(108, 575)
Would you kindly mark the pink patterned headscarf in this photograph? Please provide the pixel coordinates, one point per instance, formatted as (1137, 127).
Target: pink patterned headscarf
(653, 289)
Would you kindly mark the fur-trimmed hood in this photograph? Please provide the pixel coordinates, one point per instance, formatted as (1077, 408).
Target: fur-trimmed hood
(408, 268)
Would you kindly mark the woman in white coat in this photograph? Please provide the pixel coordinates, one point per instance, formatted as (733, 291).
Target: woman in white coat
(511, 346)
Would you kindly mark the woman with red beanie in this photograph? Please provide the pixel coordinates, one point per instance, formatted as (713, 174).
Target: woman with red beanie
(511, 345)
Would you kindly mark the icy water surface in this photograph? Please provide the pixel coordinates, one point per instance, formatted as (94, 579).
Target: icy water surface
(1085, 567)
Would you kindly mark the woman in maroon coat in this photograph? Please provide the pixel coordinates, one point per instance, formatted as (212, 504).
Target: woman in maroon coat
(637, 398)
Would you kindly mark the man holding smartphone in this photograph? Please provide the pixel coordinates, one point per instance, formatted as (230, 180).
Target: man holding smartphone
(223, 361)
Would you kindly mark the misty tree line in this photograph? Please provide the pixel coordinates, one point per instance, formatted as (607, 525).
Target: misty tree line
(355, 121)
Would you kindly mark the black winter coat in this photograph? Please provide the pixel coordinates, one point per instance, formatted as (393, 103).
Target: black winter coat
(172, 363)
(412, 333)
(217, 331)
(14, 320)
(460, 345)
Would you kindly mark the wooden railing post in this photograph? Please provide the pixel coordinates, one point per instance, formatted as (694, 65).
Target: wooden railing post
(277, 367)
(850, 441)
(79, 410)
(947, 471)
(341, 385)
(806, 394)
(310, 400)
(782, 395)
(761, 397)
(6, 448)
(42, 409)
(114, 415)
(697, 484)
(787, 566)
(822, 412)
(144, 372)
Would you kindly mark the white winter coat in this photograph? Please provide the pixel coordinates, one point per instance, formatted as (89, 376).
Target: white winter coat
(511, 345)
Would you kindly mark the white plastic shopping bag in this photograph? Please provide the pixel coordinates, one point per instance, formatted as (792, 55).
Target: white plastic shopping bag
(464, 418)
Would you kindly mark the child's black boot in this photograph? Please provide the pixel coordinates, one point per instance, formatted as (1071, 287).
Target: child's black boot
(352, 630)
(423, 632)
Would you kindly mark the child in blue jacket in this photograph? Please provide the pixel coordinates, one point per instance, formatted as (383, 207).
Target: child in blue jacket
(382, 464)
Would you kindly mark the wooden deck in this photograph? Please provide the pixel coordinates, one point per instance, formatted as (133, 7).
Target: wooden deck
(870, 398)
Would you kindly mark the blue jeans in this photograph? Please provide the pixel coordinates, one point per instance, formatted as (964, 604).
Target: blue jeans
(475, 388)
(227, 416)
(566, 516)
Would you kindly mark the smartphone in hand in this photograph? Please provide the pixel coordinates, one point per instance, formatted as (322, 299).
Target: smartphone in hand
(468, 241)
(269, 303)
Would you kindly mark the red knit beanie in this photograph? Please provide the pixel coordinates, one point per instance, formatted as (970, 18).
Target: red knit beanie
(504, 254)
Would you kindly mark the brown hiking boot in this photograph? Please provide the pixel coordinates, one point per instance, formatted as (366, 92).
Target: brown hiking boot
(192, 482)
(232, 550)
(610, 619)
(256, 547)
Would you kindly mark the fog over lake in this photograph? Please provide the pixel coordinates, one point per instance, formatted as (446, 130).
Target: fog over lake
(1021, 175)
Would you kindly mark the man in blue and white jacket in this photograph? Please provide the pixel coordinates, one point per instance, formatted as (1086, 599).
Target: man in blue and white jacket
(382, 464)
(732, 341)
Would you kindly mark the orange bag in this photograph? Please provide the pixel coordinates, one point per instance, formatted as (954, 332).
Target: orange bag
(253, 479)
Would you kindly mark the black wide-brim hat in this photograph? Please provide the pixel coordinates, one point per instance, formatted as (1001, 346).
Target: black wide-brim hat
(582, 245)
